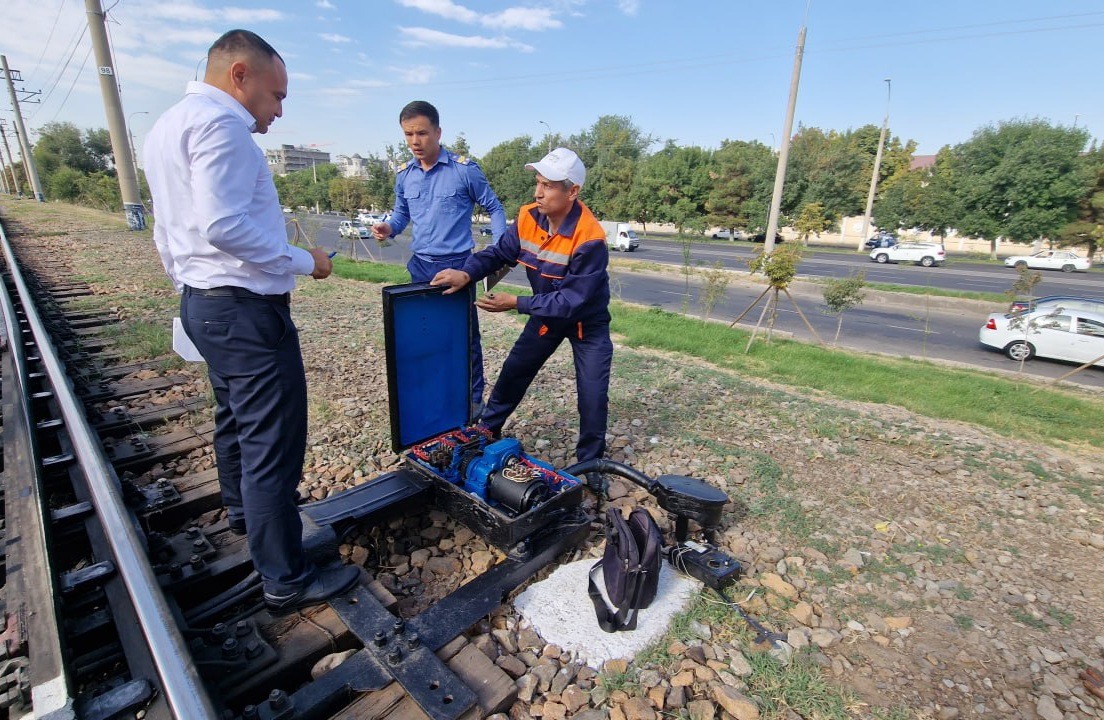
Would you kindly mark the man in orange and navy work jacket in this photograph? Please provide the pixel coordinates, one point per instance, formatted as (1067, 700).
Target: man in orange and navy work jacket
(563, 249)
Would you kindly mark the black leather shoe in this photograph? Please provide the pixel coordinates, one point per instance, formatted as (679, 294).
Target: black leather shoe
(327, 583)
(237, 526)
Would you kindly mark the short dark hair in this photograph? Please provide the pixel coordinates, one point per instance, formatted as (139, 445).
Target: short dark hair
(239, 41)
(420, 108)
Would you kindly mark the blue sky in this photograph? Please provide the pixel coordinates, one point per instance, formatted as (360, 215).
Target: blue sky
(696, 71)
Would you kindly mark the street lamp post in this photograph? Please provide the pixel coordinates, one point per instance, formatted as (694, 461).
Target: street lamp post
(877, 167)
(133, 147)
(549, 127)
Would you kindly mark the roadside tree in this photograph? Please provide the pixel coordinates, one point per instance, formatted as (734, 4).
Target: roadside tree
(742, 176)
(1087, 230)
(671, 186)
(610, 149)
(811, 221)
(504, 166)
(843, 294)
(348, 194)
(1021, 180)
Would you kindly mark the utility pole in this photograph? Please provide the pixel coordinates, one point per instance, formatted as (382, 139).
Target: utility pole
(11, 160)
(22, 137)
(874, 175)
(4, 178)
(116, 125)
(130, 136)
(542, 122)
(784, 150)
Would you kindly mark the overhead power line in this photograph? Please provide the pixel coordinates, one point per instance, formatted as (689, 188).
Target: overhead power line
(61, 6)
(61, 73)
(919, 37)
(73, 85)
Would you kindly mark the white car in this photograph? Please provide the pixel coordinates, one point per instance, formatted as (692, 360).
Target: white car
(1055, 333)
(1063, 260)
(927, 254)
(352, 229)
(371, 219)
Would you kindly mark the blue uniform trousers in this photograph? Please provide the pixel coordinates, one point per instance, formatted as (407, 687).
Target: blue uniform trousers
(256, 371)
(593, 353)
(422, 270)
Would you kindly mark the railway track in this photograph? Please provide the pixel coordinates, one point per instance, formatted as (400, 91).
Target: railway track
(125, 593)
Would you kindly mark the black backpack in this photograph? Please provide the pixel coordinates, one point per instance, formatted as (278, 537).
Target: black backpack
(630, 566)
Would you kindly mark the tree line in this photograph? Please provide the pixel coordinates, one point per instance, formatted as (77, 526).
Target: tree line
(1021, 180)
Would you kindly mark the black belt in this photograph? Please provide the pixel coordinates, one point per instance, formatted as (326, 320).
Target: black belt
(237, 292)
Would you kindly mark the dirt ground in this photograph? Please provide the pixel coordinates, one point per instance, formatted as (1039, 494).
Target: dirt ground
(935, 569)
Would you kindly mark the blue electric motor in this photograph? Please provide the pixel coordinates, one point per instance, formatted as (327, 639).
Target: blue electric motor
(478, 472)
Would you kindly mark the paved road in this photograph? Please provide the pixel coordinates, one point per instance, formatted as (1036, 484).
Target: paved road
(956, 275)
(917, 331)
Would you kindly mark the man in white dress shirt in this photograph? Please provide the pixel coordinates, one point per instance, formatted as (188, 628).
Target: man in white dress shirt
(220, 233)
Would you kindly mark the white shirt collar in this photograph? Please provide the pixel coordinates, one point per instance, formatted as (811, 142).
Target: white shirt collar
(198, 87)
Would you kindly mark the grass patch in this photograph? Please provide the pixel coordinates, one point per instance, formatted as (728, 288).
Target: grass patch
(999, 298)
(1053, 415)
(370, 272)
(1022, 616)
(800, 687)
(897, 713)
(1064, 617)
(140, 340)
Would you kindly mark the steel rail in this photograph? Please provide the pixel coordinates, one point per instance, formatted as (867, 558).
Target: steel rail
(180, 681)
(51, 694)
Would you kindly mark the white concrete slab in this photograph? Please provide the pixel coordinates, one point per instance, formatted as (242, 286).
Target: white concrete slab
(559, 608)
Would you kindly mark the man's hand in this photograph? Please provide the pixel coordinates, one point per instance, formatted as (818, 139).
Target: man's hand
(455, 279)
(381, 231)
(497, 302)
(323, 266)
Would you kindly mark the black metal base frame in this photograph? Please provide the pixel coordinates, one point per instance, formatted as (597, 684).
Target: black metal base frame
(404, 650)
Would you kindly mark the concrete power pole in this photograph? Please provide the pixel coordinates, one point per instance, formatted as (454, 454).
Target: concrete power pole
(116, 124)
(784, 150)
(11, 161)
(874, 175)
(22, 137)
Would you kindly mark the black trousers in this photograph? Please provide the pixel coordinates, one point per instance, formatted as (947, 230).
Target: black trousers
(593, 353)
(256, 369)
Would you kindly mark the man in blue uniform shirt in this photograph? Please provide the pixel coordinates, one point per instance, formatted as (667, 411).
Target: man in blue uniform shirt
(438, 190)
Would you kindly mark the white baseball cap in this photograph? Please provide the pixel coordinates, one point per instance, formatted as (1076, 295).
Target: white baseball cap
(560, 164)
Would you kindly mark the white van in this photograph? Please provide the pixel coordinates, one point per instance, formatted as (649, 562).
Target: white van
(619, 236)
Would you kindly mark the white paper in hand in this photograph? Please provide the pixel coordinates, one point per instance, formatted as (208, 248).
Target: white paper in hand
(182, 344)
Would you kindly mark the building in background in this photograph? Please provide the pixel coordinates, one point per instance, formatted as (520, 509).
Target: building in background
(289, 158)
(352, 166)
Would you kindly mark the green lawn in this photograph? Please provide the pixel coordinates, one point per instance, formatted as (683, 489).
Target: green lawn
(1009, 406)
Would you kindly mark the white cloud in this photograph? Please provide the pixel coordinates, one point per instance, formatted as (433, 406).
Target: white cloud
(396, 77)
(325, 4)
(519, 18)
(300, 76)
(334, 38)
(522, 19)
(423, 37)
(417, 75)
(629, 7)
(189, 12)
(443, 8)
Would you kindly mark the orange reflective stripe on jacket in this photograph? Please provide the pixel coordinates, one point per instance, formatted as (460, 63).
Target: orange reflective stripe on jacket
(550, 254)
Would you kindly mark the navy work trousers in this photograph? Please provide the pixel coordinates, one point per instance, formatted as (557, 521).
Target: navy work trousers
(593, 352)
(256, 370)
(423, 269)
